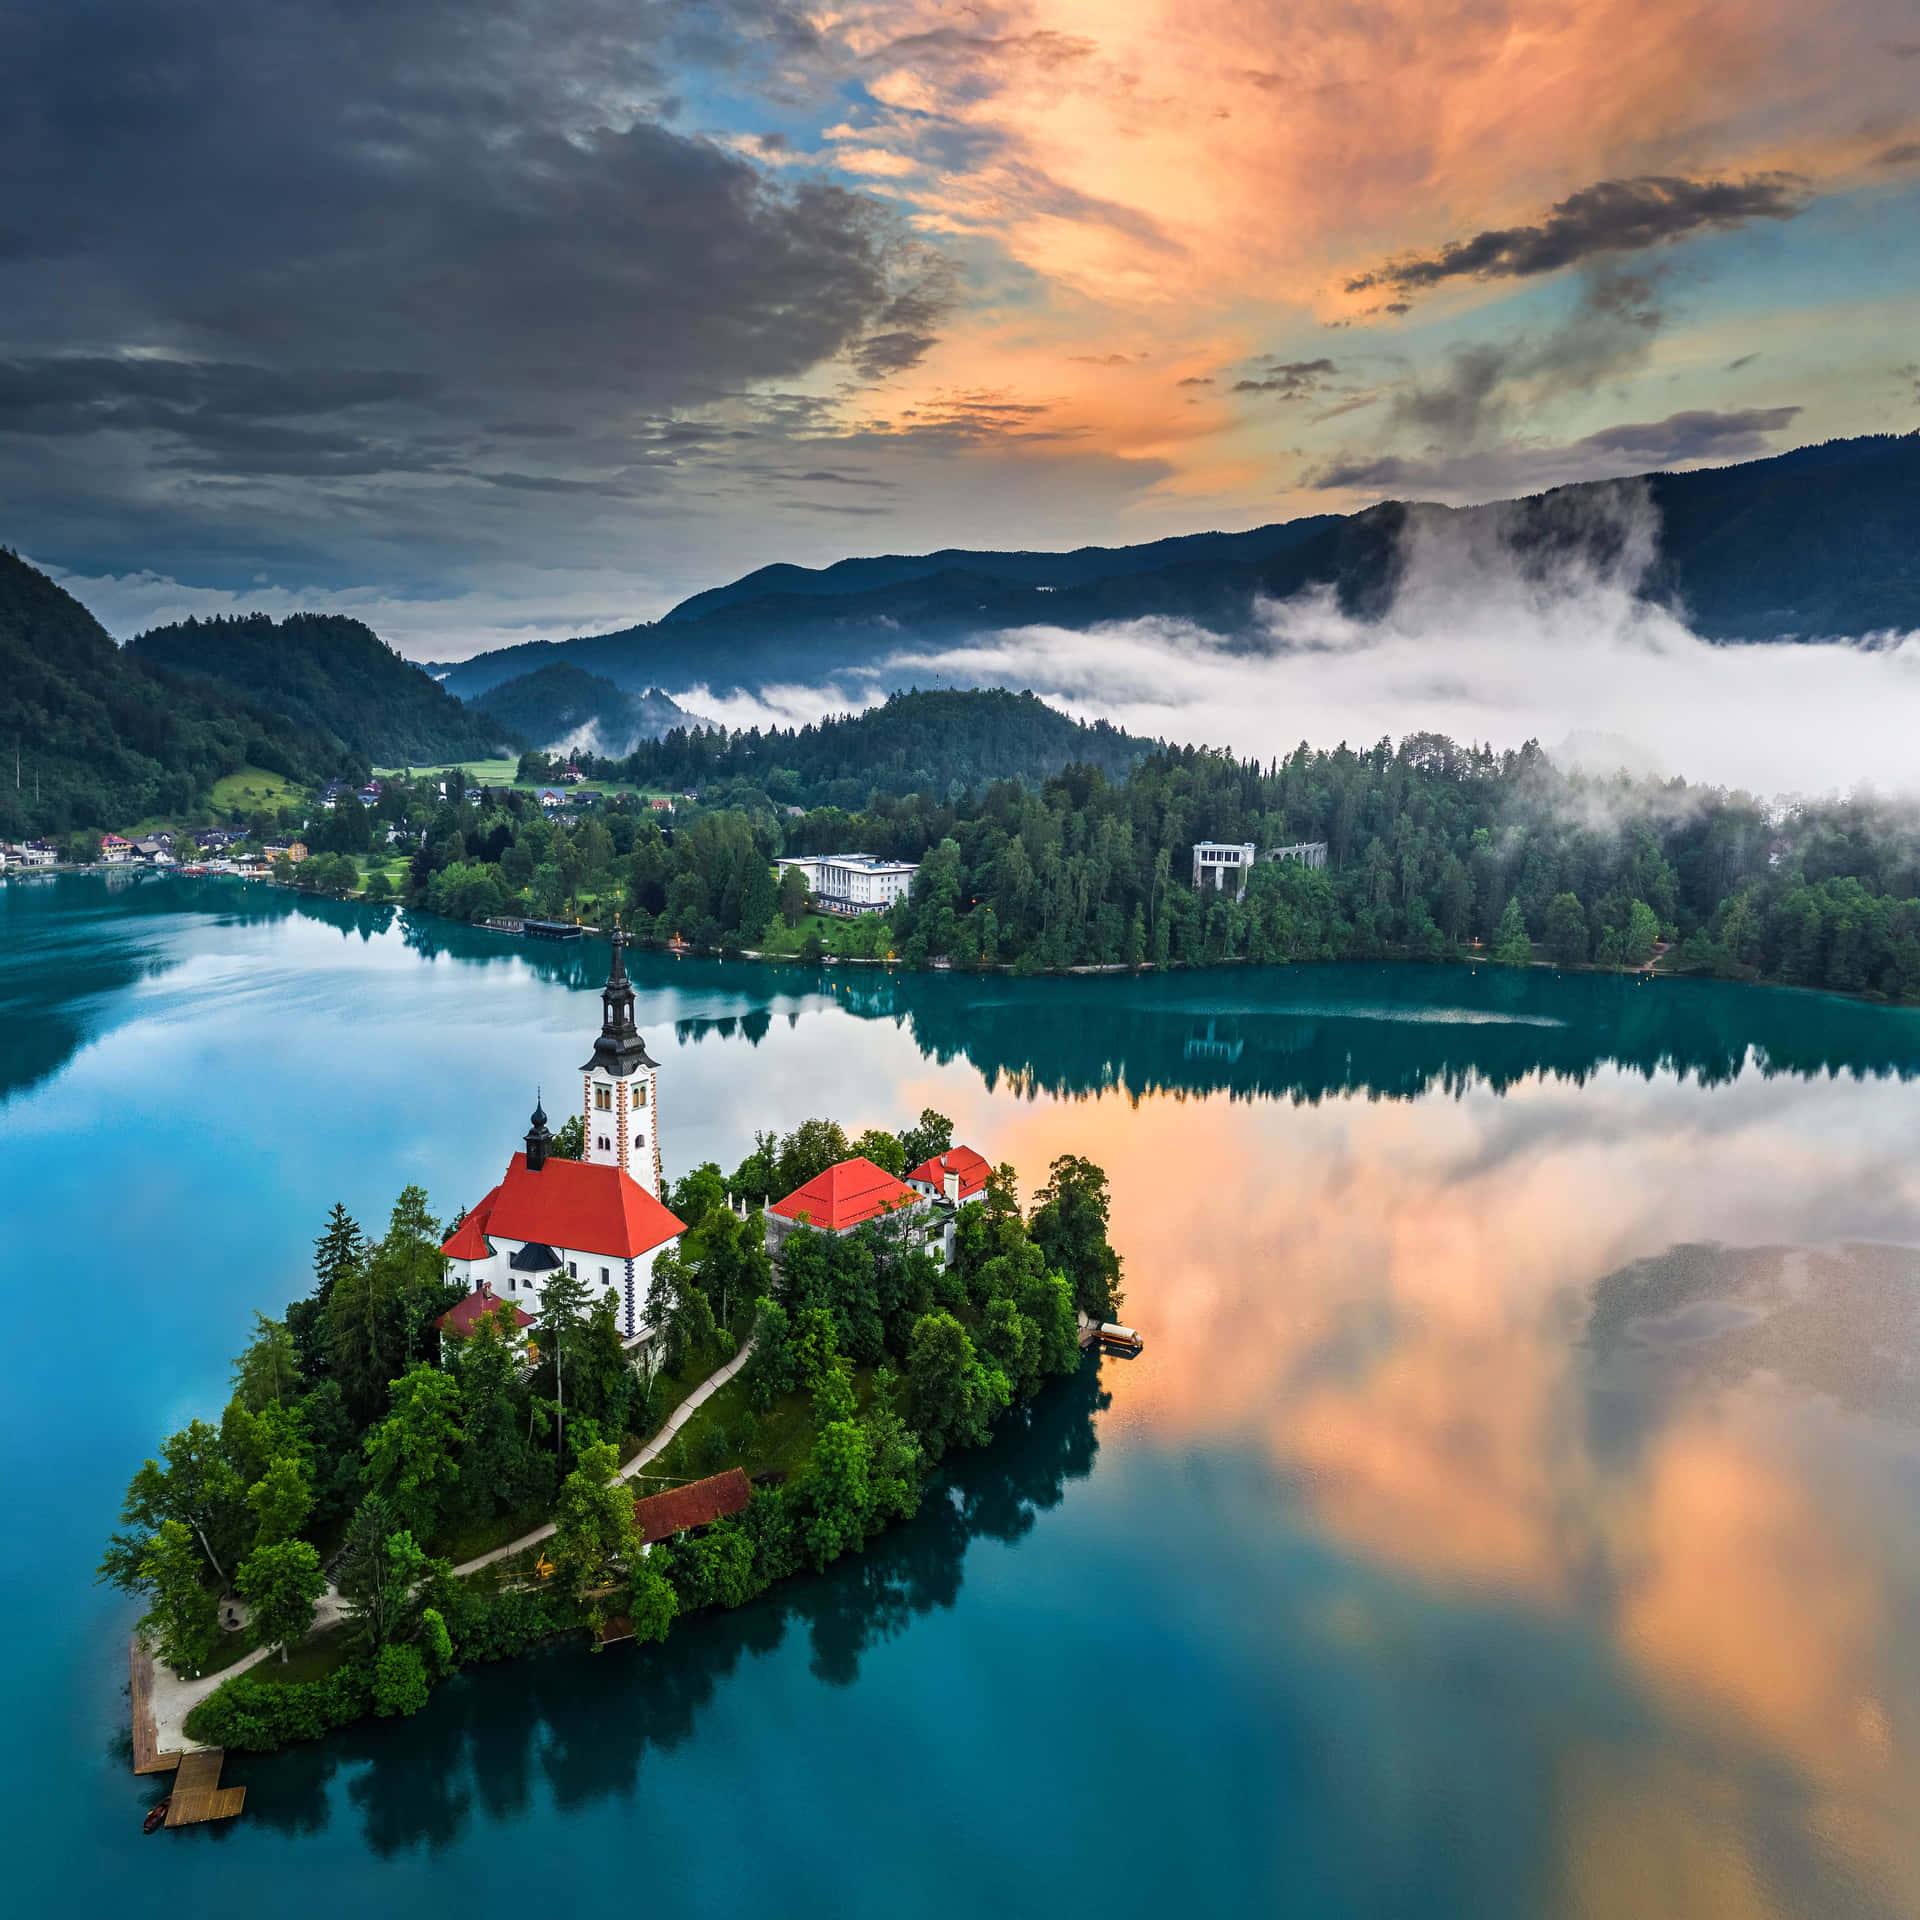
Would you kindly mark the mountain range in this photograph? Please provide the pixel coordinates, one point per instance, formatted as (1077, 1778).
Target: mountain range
(1822, 542)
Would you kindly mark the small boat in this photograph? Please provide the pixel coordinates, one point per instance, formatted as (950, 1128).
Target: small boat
(156, 1814)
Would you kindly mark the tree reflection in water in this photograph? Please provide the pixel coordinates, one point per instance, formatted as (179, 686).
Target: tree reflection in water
(581, 1724)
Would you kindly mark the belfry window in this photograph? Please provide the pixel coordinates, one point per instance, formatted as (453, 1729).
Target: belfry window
(603, 1099)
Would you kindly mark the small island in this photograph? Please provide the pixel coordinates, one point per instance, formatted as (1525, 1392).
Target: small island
(593, 1404)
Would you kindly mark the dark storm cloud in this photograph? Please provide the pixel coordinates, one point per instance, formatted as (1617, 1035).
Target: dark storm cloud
(341, 237)
(1610, 217)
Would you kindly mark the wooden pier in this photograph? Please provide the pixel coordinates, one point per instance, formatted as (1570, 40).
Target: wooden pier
(147, 1757)
(198, 1795)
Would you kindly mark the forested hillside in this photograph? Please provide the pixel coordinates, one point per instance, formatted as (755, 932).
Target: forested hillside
(1817, 543)
(936, 742)
(94, 737)
(1435, 852)
(334, 676)
(555, 702)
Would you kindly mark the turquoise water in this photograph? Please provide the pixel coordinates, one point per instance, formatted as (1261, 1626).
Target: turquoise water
(1516, 1510)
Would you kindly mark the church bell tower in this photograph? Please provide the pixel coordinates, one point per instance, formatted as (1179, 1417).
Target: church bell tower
(623, 1122)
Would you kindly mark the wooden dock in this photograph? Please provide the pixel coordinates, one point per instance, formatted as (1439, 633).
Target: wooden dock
(198, 1795)
(147, 1757)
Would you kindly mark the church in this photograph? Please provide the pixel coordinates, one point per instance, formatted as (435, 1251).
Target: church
(599, 1218)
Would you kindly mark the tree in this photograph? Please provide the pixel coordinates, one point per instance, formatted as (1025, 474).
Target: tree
(1511, 947)
(496, 1464)
(200, 1488)
(563, 1307)
(411, 1454)
(268, 1373)
(733, 1263)
(839, 1494)
(1566, 931)
(182, 1616)
(570, 1143)
(1641, 936)
(400, 1683)
(652, 1604)
(931, 1134)
(955, 1398)
(792, 895)
(771, 1370)
(833, 1398)
(702, 1192)
(815, 1346)
(678, 1311)
(1070, 1228)
(593, 1521)
(281, 1582)
(883, 1150)
(281, 1499)
(381, 1572)
(811, 1148)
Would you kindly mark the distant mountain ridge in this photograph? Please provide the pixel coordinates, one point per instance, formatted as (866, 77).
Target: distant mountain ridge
(332, 676)
(105, 738)
(555, 703)
(1820, 542)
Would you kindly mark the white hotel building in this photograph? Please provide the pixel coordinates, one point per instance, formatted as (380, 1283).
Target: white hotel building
(855, 882)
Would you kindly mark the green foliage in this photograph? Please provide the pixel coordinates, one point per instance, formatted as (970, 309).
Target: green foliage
(249, 1715)
(593, 1521)
(570, 1142)
(883, 1149)
(183, 1614)
(1070, 1229)
(931, 1134)
(810, 1149)
(412, 1455)
(773, 1369)
(1566, 931)
(955, 1398)
(267, 1374)
(400, 1683)
(281, 1500)
(281, 1582)
(838, 1491)
(380, 1574)
(199, 1487)
(652, 1603)
(1511, 947)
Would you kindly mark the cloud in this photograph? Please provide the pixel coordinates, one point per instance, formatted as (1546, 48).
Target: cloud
(1288, 378)
(1610, 217)
(1611, 453)
(314, 241)
(1479, 645)
(1903, 155)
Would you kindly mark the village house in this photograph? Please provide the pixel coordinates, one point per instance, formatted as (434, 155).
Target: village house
(599, 1218)
(114, 850)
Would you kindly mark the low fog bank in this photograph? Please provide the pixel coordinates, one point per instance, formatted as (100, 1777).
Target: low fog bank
(1476, 644)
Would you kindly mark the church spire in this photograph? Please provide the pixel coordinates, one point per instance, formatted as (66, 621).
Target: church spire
(539, 1140)
(620, 1050)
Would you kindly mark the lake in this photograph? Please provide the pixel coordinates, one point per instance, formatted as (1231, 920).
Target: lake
(1515, 1511)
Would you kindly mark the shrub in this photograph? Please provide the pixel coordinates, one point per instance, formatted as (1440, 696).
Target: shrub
(254, 1716)
(400, 1683)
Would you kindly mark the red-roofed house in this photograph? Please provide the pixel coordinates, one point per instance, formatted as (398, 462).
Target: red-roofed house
(461, 1319)
(956, 1176)
(590, 1216)
(846, 1196)
(661, 1515)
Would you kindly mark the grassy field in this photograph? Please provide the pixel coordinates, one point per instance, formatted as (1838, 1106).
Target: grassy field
(314, 1659)
(491, 773)
(253, 787)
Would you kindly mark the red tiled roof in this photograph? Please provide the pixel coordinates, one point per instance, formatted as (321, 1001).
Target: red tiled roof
(578, 1207)
(469, 1240)
(662, 1514)
(844, 1196)
(483, 1299)
(970, 1166)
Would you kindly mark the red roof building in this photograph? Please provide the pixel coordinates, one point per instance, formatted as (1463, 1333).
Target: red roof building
(844, 1197)
(969, 1169)
(661, 1515)
(462, 1319)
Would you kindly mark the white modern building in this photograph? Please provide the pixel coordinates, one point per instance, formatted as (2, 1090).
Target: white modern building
(1215, 860)
(598, 1218)
(855, 882)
